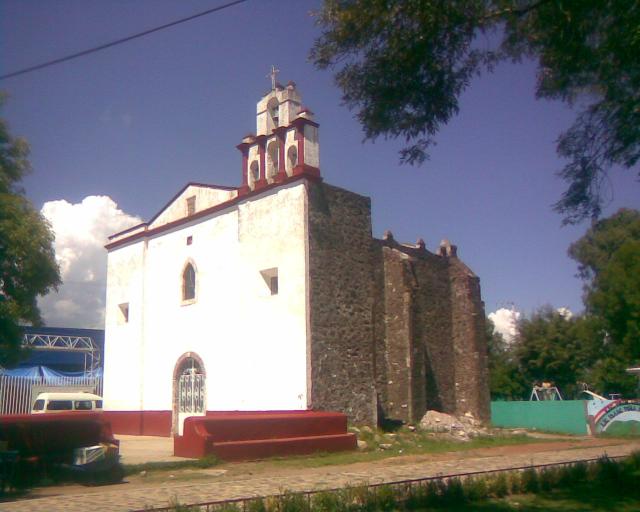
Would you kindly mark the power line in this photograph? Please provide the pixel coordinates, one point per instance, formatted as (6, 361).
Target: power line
(119, 41)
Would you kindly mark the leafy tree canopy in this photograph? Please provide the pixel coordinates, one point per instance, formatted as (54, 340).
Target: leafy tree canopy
(596, 248)
(609, 260)
(568, 351)
(615, 298)
(402, 65)
(505, 379)
(27, 261)
(552, 347)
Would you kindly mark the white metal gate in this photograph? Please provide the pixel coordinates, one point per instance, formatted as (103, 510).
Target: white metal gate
(17, 394)
(191, 395)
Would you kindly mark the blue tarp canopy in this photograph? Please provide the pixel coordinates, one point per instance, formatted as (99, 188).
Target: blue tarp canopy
(54, 358)
(48, 373)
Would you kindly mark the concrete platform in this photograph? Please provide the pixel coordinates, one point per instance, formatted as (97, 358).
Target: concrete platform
(142, 449)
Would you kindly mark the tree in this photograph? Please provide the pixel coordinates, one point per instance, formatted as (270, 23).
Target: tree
(506, 382)
(595, 249)
(402, 65)
(548, 348)
(608, 256)
(615, 298)
(27, 260)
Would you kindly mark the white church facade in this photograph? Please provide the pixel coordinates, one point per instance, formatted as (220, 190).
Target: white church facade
(270, 296)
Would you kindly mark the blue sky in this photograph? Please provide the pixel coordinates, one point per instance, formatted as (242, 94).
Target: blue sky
(138, 121)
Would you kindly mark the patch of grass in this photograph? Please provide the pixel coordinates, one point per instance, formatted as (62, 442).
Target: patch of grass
(204, 463)
(381, 444)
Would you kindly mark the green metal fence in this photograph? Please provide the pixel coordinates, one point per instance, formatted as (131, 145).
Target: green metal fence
(567, 416)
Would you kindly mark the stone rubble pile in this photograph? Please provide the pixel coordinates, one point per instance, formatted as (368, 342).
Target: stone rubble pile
(462, 428)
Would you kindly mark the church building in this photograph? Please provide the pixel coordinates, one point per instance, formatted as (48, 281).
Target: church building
(274, 295)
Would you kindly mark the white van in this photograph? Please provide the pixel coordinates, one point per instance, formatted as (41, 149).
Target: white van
(64, 402)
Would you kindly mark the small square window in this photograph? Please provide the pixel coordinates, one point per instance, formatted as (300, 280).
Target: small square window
(191, 205)
(270, 277)
(273, 285)
(189, 240)
(124, 312)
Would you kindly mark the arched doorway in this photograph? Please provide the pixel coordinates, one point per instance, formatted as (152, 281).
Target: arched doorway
(189, 390)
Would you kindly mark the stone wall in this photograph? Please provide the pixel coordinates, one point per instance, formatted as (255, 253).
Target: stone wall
(469, 343)
(341, 301)
(395, 330)
(433, 335)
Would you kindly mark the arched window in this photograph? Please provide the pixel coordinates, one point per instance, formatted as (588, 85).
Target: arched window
(254, 169)
(274, 115)
(292, 158)
(272, 160)
(189, 283)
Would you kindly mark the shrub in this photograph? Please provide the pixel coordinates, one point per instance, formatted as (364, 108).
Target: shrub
(453, 492)
(475, 489)
(549, 478)
(529, 481)
(573, 474)
(499, 486)
(328, 502)
(256, 505)
(384, 498)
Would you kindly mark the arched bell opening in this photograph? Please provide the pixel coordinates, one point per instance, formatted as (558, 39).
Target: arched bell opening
(292, 159)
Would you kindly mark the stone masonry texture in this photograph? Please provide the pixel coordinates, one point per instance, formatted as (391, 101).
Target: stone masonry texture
(395, 330)
(341, 301)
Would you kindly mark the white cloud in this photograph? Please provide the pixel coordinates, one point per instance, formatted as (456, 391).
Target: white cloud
(566, 313)
(505, 322)
(81, 232)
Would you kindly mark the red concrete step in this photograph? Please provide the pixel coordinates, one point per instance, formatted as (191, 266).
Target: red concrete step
(272, 425)
(261, 448)
(252, 435)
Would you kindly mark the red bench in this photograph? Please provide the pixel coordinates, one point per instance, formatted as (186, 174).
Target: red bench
(256, 435)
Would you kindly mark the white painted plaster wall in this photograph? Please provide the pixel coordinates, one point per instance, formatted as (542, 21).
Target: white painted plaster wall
(124, 352)
(253, 344)
(206, 197)
(311, 146)
(289, 106)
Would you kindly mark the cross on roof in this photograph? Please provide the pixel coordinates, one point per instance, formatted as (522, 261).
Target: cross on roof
(274, 72)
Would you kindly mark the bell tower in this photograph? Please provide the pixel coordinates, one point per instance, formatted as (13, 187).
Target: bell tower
(286, 140)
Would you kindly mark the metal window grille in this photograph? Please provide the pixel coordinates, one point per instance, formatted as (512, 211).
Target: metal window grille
(191, 392)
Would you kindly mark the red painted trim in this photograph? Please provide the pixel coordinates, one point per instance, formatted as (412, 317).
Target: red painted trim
(180, 192)
(262, 170)
(299, 122)
(306, 170)
(203, 185)
(281, 161)
(260, 184)
(203, 213)
(140, 423)
(133, 228)
(244, 148)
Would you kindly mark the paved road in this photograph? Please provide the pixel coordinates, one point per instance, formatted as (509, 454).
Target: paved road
(238, 482)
